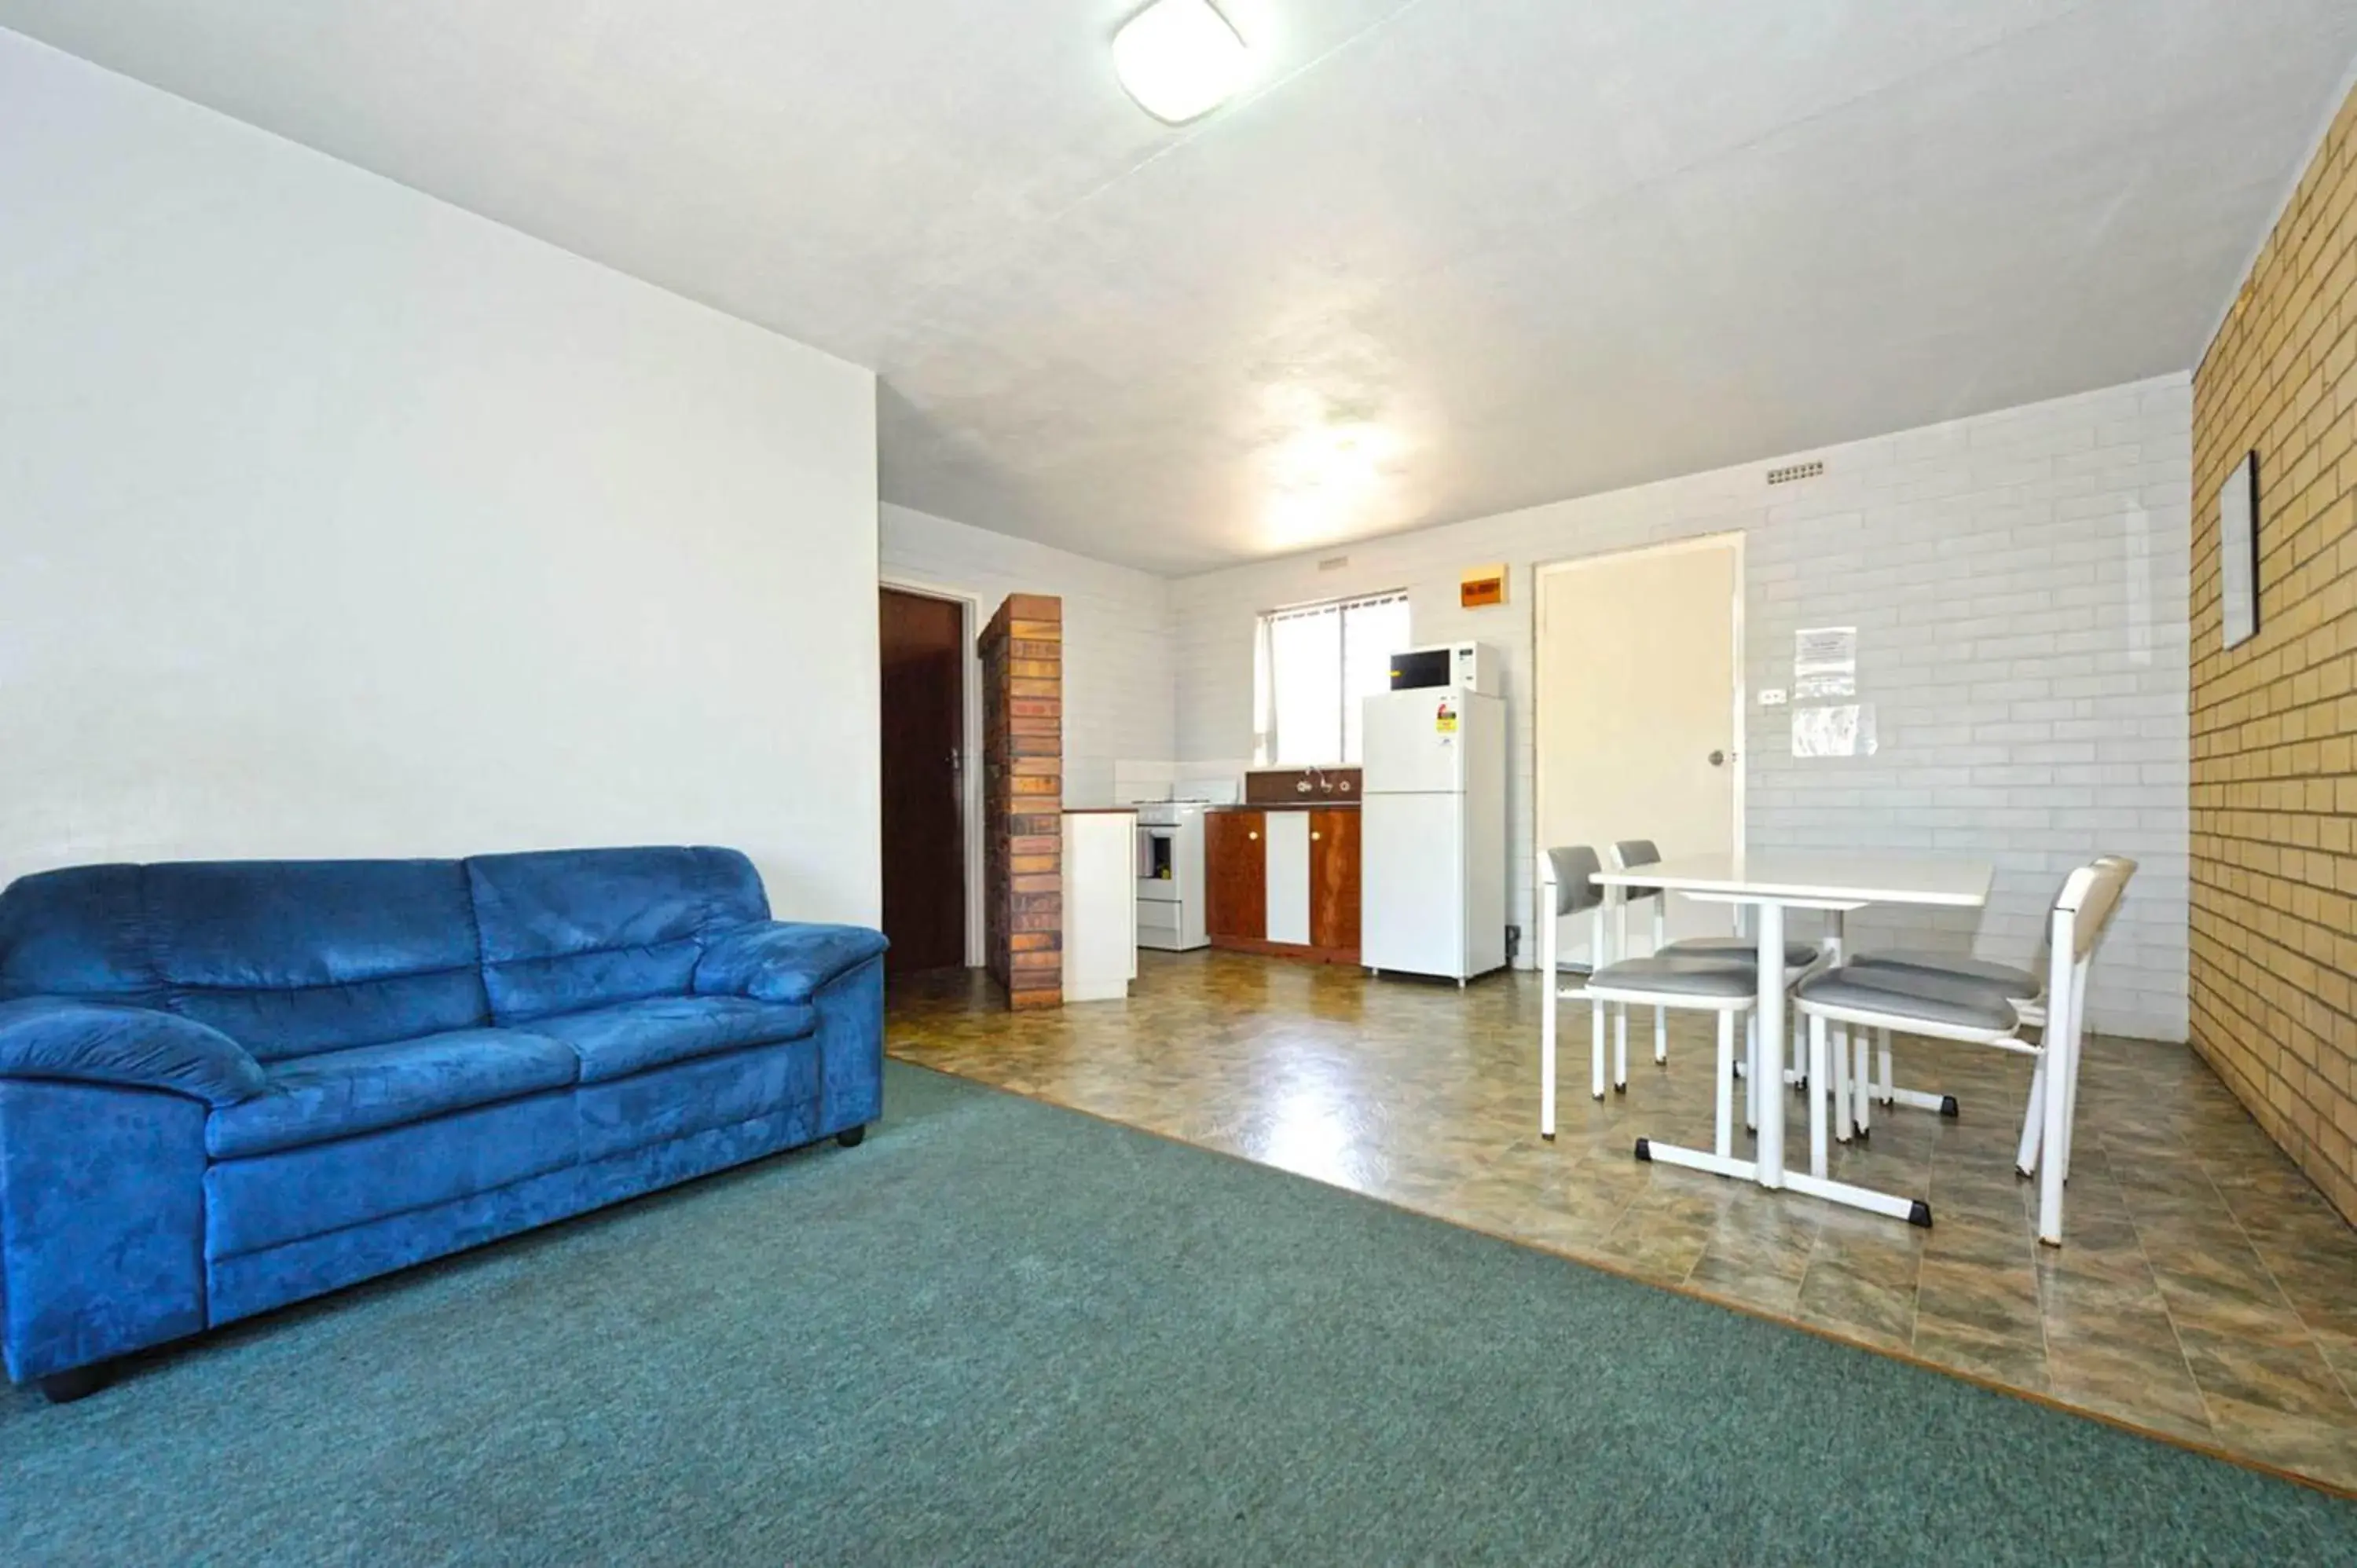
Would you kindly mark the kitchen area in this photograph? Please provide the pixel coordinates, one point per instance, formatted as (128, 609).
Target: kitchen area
(1396, 865)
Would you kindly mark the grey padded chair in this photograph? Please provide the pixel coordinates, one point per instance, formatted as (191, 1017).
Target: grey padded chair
(1568, 886)
(1959, 1010)
(2024, 989)
(1630, 855)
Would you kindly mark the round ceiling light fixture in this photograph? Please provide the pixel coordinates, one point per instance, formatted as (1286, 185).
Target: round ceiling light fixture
(1180, 60)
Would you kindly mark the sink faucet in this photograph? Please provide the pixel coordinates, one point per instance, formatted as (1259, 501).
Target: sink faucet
(1324, 785)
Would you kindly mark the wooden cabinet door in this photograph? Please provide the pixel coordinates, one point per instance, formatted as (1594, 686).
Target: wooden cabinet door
(1334, 880)
(1235, 869)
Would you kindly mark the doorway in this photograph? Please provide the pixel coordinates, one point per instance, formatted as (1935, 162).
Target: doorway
(1639, 711)
(923, 644)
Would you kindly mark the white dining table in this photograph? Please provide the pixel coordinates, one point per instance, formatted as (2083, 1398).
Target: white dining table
(1770, 882)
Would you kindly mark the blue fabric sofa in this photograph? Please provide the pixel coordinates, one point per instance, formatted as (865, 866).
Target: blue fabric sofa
(226, 1087)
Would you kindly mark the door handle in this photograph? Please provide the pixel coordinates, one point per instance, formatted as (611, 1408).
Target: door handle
(1718, 759)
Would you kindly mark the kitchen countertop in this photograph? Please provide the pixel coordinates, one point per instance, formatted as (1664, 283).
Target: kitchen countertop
(1099, 811)
(1310, 805)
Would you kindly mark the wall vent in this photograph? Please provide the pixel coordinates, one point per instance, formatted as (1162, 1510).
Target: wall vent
(1791, 471)
(1334, 563)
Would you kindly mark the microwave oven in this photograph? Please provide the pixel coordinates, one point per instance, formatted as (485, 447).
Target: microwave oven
(1470, 666)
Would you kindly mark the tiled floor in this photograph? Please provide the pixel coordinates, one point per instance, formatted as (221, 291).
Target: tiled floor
(2206, 1291)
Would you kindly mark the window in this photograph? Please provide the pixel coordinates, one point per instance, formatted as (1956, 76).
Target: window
(1316, 664)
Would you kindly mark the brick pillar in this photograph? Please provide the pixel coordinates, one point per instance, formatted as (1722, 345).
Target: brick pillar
(1022, 654)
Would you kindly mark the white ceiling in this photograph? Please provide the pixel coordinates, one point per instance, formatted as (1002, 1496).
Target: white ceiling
(1449, 257)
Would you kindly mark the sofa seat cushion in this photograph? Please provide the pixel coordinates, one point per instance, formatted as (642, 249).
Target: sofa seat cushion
(631, 1036)
(310, 1100)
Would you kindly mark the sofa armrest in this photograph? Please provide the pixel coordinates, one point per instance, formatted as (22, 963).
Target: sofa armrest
(134, 1048)
(780, 961)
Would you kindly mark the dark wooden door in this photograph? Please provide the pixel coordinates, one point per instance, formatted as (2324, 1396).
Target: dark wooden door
(1235, 869)
(1334, 880)
(923, 652)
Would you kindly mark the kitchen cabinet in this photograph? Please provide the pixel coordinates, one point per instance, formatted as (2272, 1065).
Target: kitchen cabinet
(1235, 870)
(1287, 879)
(1100, 905)
(1334, 881)
(1284, 883)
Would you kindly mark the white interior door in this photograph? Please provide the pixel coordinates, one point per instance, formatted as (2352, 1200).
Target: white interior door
(1638, 708)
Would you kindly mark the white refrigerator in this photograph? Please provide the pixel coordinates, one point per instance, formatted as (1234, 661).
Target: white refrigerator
(1432, 833)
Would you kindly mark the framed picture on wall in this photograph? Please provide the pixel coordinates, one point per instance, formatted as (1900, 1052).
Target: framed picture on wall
(2238, 551)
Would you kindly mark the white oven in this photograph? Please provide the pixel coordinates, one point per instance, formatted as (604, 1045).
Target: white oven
(1158, 861)
(1170, 909)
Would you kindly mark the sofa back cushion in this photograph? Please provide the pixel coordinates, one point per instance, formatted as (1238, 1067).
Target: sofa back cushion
(569, 929)
(288, 958)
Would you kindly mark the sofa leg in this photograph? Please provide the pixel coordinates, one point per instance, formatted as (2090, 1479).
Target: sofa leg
(850, 1136)
(64, 1388)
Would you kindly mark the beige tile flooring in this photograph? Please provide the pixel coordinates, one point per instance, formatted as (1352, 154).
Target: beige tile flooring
(2205, 1292)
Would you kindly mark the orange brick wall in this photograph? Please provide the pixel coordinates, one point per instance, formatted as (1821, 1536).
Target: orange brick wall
(1022, 654)
(2273, 936)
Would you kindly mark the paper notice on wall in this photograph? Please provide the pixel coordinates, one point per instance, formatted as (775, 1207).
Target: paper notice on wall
(1824, 663)
(1844, 729)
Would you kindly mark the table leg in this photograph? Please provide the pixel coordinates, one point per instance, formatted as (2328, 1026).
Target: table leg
(1771, 1149)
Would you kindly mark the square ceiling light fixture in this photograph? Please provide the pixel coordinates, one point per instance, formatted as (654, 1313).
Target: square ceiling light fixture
(1179, 58)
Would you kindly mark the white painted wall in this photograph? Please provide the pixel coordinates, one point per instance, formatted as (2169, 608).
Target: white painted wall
(1119, 699)
(337, 522)
(2019, 581)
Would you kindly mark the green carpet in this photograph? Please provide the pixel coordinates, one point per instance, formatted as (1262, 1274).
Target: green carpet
(1005, 1333)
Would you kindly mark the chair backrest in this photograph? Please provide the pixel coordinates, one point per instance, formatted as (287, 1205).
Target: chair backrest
(2046, 927)
(2099, 902)
(1628, 854)
(1571, 873)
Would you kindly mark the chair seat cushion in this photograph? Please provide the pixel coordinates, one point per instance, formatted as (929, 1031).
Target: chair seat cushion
(1666, 976)
(311, 1100)
(1797, 955)
(2013, 981)
(631, 1036)
(1904, 994)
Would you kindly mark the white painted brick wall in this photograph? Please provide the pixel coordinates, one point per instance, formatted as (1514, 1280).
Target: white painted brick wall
(2020, 584)
(1118, 686)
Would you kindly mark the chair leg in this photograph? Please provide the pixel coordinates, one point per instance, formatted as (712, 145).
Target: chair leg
(2057, 1128)
(1724, 1145)
(1862, 1088)
(1548, 1007)
(1754, 1060)
(2071, 1083)
(1661, 1035)
(1620, 1047)
(1889, 1082)
(2033, 1122)
(1752, 1083)
(1817, 1154)
(1836, 1065)
(1596, 1047)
